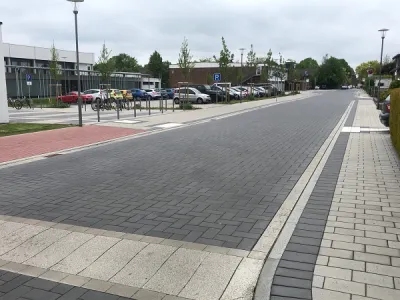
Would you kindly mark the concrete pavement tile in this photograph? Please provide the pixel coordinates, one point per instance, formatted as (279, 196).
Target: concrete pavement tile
(374, 258)
(34, 245)
(144, 265)
(113, 260)
(172, 277)
(97, 285)
(19, 236)
(75, 280)
(148, 295)
(382, 293)
(59, 250)
(318, 281)
(122, 290)
(333, 272)
(322, 294)
(32, 271)
(244, 280)
(13, 267)
(53, 275)
(211, 278)
(383, 270)
(373, 279)
(85, 255)
(345, 286)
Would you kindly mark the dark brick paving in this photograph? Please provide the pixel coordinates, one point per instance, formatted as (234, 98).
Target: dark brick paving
(218, 183)
(294, 275)
(14, 286)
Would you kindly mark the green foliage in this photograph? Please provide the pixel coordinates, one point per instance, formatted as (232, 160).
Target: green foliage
(186, 105)
(308, 64)
(267, 67)
(395, 84)
(394, 120)
(206, 59)
(125, 63)
(384, 94)
(333, 72)
(105, 66)
(362, 69)
(185, 60)
(55, 69)
(209, 79)
(155, 65)
(280, 68)
(225, 58)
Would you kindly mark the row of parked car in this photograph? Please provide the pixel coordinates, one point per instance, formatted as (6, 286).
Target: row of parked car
(195, 93)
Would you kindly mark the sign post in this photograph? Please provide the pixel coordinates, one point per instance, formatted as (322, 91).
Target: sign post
(29, 83)
(217, 77)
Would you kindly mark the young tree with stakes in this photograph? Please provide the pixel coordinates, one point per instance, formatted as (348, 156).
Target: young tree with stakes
(55, 69)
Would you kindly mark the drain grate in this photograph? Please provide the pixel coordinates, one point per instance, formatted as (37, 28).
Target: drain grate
(52, 155)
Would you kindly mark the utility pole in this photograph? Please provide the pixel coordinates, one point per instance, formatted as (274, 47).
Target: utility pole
(383, 34)
(241, 72)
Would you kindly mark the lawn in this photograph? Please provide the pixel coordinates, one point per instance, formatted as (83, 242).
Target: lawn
(19, 128)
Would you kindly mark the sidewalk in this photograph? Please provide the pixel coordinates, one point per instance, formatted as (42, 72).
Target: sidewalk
(346, 243)
(42, 142)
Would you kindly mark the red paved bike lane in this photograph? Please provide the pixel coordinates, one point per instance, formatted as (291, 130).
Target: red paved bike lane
(36, 143)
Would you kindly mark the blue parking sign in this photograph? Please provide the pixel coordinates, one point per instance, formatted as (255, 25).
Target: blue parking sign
(217, 77)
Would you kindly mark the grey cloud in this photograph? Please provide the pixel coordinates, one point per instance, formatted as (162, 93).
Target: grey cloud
(297, 29)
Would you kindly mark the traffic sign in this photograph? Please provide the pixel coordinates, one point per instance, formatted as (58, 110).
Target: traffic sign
(29, 83)
(28, 77)
(217, 77)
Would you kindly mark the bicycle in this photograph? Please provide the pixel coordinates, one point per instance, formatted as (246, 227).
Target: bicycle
(104, 104)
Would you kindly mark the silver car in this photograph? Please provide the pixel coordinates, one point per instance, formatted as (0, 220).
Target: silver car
(193, 95)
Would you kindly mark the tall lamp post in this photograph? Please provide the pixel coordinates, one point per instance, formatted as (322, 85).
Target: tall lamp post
(241, 71)
(77, 59)
(383, 34)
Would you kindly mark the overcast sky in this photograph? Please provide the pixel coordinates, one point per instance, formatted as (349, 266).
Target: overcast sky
(298, 29)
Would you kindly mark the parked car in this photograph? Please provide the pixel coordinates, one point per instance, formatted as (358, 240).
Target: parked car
(127, 94)
(233, 94)
(114, 94)
(239, 93)
(261, 91)
(206, 89)
(163, 92)
(344, 87)
(97, 94)
(72, 97)
(138, 93)
(193, 96)
(171, 93)
(385, 112)
(152, 94)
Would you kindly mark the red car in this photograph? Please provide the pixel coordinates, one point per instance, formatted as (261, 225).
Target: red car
(72, 97)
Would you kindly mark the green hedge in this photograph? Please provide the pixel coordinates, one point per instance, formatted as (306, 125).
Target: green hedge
(395, 118)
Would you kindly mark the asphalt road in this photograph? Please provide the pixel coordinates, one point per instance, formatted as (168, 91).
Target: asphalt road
(217, 183)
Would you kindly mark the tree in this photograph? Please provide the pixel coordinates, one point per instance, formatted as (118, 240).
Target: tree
(55, 69)
(105, 66)
(332, 73)
(268, 64)
(165, 74)
(252, 62)
(225, 58)
(209, 79)
(155, 65)
(362, 69)
(386, 59)
(185, 60)
(206, 59)
(280, 69)
(308, 64)
(125, 63)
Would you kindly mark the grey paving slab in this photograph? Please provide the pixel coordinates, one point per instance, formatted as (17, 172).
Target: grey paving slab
(14, 286)
(218, 183)
(294, 275)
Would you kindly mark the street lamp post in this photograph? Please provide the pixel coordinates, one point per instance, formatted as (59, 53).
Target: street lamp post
(383, 34)
(77, 59)
(65, 74)
(241, 72)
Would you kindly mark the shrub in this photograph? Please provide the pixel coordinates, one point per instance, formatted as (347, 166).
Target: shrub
(384, 94)
(186, 105)
(395, 84)
(395, 118)
(251, 98)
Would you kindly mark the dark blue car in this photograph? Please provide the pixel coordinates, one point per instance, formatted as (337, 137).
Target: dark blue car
(138, 93)
(170, 92)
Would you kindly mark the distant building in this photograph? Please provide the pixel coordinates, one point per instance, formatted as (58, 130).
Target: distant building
(396, 70)
(202, 73)
(20, 60)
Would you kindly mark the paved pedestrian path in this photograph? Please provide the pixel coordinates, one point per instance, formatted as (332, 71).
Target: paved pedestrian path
(346, 243)
(43, 142)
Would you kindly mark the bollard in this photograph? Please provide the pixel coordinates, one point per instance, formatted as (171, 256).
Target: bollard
(134, 107)
(98, 109)
(118, 103)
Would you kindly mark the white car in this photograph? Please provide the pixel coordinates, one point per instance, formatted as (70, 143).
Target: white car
(96, 94)
(193, 95)
(152, 94)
